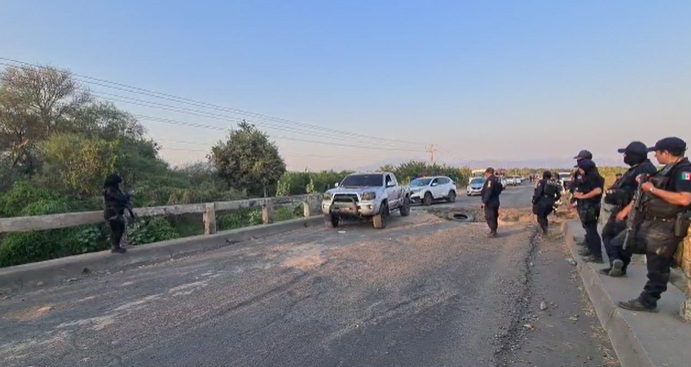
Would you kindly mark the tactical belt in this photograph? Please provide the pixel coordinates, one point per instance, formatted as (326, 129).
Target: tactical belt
(658, 219)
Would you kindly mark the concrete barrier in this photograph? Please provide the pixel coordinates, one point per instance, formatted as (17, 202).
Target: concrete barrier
(58, 270)
(640, 339)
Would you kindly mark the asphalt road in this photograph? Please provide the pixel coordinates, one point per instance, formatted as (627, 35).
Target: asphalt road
(511, 197)
(423, 292)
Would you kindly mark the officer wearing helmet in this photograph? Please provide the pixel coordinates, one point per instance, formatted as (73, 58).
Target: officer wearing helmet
(545, 195)
(115, 203)
(665, 209)
(619, 195)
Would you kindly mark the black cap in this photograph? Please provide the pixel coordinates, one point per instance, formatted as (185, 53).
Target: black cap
(489, 170)
(586, 164)
(547, 174)
(584, 154)
(635, 147)
(673, 145)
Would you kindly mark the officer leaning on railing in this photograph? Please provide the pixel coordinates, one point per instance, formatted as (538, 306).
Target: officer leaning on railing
(664, 211)
(115, 203)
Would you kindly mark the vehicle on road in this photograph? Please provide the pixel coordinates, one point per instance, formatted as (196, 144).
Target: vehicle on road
(476, 173)
(513, 180)
(366, 195)
(426, 190)
(475, 186)
(565, 179)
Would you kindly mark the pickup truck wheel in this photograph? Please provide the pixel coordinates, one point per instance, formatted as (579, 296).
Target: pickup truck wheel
(405, 207)
(452, 196)
(331, 221)
(427, 200)
(380, 219)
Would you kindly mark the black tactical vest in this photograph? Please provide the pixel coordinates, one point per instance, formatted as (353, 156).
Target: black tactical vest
(656, 207)
(550, 189)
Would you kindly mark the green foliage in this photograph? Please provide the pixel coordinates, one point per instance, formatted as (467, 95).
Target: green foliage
(248, 159)
(407, 171)
(153, 230)
(80, 164)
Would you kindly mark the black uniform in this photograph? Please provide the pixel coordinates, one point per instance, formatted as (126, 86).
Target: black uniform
(545, 195)
(490, 199)
(589, 209)
(115, 202)
(619, 196)
(663, 227)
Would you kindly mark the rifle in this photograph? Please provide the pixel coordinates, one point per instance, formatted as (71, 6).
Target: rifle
(633, 218)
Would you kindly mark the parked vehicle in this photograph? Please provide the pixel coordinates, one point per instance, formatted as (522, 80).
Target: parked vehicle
(366, 195)
(426, 190)
(475, 186)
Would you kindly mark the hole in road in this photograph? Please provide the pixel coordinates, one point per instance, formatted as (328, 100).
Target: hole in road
(459, 216)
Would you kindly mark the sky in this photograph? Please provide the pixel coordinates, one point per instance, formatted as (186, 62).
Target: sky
(348, 84)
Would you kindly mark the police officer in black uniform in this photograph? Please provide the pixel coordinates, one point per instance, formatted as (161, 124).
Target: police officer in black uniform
(583, 154)
(665, 206)
(114, 211)
(588, 194)
(490, 192)
(545, 195)
(619, 196)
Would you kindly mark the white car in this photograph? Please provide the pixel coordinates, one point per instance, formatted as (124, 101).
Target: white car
(475, 186)
(426, 190)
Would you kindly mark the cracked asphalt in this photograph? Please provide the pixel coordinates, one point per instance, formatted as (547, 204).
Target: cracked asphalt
(423, 292)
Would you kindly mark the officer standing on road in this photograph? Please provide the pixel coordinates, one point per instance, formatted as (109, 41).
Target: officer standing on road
(115, 204)
(588, 194)
(665, 221)
(619, 196)
(490, 192)
(545, 195)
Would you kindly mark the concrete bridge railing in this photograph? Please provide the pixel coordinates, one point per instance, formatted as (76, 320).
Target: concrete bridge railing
(208, 210)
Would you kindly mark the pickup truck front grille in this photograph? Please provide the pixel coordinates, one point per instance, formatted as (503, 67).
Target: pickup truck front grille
(345, 198)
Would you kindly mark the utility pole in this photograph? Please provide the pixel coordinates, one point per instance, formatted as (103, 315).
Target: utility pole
(431, 150)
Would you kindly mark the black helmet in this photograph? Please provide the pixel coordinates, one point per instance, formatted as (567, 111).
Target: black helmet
(112, 181)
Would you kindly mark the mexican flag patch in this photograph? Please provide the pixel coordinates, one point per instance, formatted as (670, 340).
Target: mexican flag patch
(686, 176)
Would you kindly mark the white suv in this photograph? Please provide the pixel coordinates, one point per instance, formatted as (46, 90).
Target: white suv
(426, 190)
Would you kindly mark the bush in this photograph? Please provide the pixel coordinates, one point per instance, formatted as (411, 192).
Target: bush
(151, 230)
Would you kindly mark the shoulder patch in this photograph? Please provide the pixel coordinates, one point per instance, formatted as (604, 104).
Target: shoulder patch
(489, 183)
(686, 176)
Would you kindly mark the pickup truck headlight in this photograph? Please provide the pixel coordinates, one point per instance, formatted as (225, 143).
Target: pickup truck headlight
(369, 196)
(327, 196)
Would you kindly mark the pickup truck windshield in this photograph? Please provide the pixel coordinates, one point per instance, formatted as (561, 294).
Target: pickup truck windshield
(419, 182)
(363, 180)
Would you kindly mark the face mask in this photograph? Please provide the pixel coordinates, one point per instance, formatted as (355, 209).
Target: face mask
(633, 159)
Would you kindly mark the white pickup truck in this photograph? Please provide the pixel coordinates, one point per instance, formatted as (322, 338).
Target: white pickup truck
(366, 195)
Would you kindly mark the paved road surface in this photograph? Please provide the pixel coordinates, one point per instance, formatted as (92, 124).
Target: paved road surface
(511, 197)
(423, 292)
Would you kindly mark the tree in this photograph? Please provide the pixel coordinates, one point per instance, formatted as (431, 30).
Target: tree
(79, 164)
(248, 160)
(36, 102)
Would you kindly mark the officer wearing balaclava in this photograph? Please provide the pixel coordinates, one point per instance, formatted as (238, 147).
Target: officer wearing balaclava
(619, 196)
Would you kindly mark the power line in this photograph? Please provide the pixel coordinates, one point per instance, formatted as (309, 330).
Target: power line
(279, 150)
(133, 89)
(135, 101)
(218, 128)
(138, 102)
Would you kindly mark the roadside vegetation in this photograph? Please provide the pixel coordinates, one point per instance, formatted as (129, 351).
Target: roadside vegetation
(58, 141)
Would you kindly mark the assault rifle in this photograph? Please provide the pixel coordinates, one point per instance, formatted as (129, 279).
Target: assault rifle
(634, 215)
